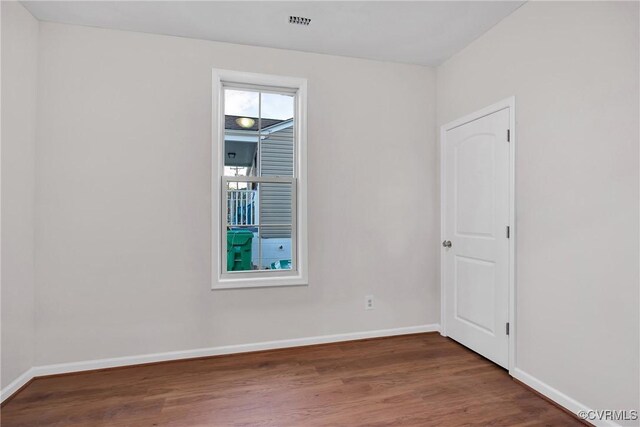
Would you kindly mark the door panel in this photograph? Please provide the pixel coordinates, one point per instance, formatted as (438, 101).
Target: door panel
(475, 292)
(476, 214)
(474, 173)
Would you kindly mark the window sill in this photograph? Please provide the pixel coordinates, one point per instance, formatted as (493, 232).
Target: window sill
(259, 282)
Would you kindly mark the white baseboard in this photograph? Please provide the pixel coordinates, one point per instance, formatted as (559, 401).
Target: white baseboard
(557, 396)
(64, 368)
(16, 384)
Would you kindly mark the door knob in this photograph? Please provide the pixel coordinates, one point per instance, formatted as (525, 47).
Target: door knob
(446, 243)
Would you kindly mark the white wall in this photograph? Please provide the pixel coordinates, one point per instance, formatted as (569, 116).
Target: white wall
(19, 81)
(123, 197)
(573, 68)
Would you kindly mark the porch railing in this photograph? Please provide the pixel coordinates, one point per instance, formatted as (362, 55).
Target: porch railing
(242, 207)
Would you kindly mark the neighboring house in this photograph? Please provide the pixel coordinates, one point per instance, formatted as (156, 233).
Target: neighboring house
(272, 207)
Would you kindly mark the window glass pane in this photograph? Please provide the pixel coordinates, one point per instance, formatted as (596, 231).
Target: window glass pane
(277, 106)
(275, 206)
(277, 133)
(241, 201)
(242, 210)
(275, 248)
(275, 234)
(259, 226)
(241, 103)
(240, 154)
(241, 132)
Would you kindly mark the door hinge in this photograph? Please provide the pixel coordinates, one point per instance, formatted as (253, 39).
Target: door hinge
(507, 328)
(508, 135)
(508, 232)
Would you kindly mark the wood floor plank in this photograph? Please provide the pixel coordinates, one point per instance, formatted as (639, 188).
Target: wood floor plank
(412, 380)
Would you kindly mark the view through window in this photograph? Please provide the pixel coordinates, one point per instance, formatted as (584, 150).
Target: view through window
(259, 179)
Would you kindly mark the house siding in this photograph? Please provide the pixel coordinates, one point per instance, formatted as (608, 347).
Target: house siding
(276, 159)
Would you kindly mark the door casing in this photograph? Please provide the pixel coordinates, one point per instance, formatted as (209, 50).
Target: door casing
(508, 103)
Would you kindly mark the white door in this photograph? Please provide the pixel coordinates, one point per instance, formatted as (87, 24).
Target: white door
(476, 246)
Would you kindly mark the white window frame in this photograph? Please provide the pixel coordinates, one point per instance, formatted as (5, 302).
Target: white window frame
(299, 247)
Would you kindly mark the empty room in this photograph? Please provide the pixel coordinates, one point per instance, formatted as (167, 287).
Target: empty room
(320, 213)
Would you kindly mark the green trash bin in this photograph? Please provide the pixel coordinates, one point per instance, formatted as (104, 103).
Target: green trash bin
(239, 250)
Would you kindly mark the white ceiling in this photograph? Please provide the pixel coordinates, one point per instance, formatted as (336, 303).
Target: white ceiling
(414, 32)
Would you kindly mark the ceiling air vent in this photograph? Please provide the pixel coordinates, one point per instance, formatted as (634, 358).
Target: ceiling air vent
(299, 20)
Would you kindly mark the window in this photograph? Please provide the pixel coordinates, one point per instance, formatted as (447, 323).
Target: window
(259, 182)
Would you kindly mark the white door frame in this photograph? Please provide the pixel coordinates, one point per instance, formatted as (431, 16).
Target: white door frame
(509, 103)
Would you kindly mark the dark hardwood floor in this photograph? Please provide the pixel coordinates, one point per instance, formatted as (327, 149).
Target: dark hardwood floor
(412, 380)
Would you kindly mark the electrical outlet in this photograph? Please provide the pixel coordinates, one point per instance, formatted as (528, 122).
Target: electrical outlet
(368, 302)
